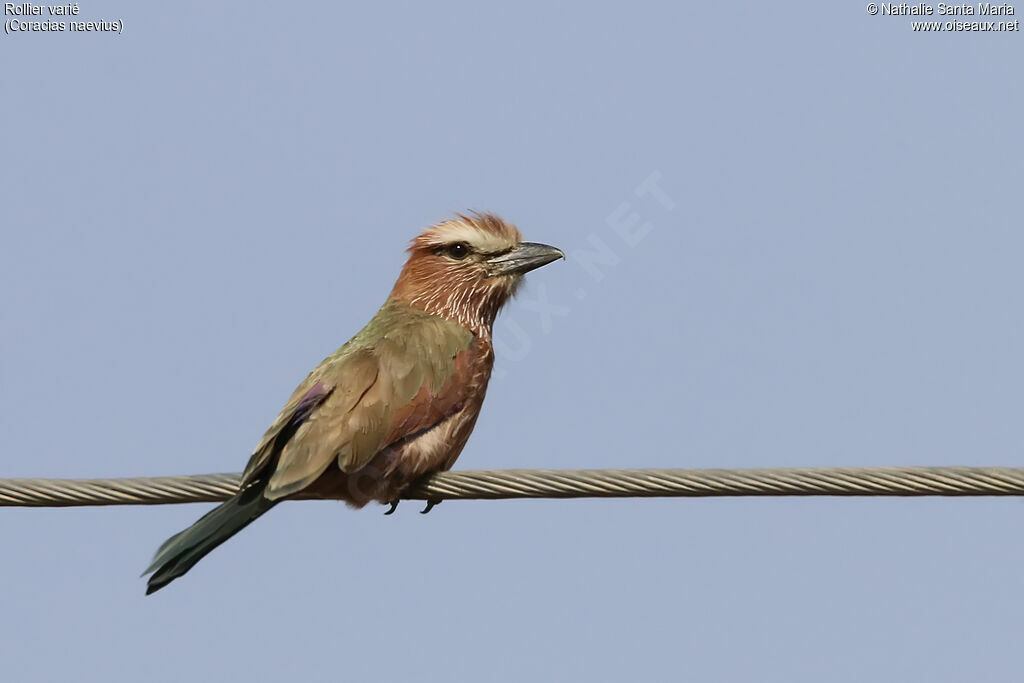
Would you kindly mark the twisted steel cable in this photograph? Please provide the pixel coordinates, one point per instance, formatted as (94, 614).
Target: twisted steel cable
(499, 484)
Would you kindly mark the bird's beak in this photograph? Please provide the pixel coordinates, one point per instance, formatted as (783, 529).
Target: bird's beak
(523, 258)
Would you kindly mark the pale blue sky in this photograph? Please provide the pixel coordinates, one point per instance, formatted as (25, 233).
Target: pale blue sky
(196, 211)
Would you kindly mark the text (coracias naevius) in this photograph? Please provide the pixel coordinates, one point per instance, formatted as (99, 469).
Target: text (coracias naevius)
(394, 404)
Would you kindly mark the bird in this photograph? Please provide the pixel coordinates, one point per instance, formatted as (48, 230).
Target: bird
(394, 404)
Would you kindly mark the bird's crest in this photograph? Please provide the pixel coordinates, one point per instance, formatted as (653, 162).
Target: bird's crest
(484, 232)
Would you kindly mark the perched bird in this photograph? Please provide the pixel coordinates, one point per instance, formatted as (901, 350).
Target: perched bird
(395, 403)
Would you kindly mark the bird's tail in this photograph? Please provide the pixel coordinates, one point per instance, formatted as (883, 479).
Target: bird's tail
(181, 551)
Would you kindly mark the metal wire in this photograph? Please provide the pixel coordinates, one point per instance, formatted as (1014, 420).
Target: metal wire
(497, 484)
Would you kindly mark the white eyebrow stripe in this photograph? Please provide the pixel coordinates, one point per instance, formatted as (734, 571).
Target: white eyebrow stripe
(456, 231)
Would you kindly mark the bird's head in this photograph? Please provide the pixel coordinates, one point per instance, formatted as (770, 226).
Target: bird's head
(466, 268)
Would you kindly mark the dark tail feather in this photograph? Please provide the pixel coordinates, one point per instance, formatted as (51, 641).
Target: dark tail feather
(181, 551)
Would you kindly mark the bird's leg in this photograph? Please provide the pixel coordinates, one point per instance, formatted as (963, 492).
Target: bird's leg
(430, 505)
(394, 506)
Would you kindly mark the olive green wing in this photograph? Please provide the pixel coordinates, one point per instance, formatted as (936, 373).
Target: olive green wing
(406, 381)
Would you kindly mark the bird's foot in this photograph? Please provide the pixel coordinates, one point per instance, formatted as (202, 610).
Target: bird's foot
(394, 506)
(430, 505)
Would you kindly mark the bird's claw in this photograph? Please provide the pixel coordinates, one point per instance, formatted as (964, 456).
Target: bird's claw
(430, 505)
(394, 506)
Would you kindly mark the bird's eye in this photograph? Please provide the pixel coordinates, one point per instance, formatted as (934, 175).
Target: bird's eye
(457, 251)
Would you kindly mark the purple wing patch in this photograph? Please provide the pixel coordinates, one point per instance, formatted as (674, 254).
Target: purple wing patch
(267, 452)
(316, 395)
